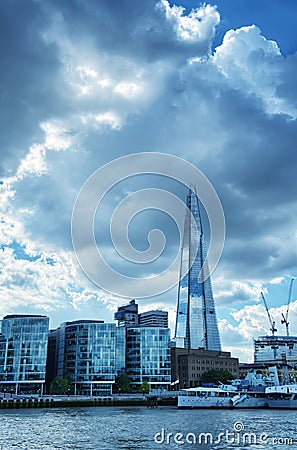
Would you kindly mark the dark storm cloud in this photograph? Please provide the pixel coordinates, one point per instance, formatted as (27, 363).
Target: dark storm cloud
(130, 28)
(258, 190)
(259, 156)
(28, 78)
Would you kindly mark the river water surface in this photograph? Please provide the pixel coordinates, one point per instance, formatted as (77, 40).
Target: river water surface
(130, 428)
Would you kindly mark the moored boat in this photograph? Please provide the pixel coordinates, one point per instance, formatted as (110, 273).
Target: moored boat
(202, 397)
(282, 397)
(255, 391)
(250, 400)
(251, 390)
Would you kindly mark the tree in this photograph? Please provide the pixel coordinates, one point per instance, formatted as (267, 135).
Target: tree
(216, 376)
(60, 386)
(145, 387)
(122, 385)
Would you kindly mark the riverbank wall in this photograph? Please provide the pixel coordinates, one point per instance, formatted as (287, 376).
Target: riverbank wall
(52, 402)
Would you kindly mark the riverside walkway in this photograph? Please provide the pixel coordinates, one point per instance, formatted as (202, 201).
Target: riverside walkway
(51, 401)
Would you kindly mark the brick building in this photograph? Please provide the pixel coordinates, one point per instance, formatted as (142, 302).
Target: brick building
(187, 365)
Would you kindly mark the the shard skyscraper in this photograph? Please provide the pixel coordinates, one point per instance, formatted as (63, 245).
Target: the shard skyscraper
(196, 322)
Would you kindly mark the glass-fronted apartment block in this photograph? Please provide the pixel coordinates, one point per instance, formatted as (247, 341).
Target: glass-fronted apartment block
(23, 352)
(120, 351)
(52, 358)
(86, 355)
(142, 346)
(275, 348)
(148, 357)
(196, 322)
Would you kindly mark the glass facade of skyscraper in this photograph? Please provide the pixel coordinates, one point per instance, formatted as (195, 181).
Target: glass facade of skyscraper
(23, 351)
(196, 323)
(148, 357)
(86, 355)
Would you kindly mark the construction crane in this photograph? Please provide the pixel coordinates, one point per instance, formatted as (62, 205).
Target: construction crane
(285, 316)
(272, 322)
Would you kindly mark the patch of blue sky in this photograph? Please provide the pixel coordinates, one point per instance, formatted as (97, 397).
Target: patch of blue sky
(19, 252)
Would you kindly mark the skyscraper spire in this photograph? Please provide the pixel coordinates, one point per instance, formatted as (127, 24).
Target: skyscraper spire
(196, 323)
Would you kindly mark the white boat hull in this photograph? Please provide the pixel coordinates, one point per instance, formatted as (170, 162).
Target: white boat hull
(285, 403)
(282, 397)
(191, 402)
(249, 401)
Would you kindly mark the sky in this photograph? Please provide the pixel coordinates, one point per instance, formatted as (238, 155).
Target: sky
(83, 83)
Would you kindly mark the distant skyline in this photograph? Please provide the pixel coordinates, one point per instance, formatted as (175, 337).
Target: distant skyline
(83, 83)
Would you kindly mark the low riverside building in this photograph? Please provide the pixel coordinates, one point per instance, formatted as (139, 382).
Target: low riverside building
(187, 365)
(23, 351)
(84, 352)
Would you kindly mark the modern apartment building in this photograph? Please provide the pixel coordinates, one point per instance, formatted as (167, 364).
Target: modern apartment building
(148, 357)
(146, 353)
(120, 351)
(84, 352)
(127, 315)
(156, 318)
(23, 352)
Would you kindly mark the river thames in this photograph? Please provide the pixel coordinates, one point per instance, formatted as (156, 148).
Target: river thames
(130, 428)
